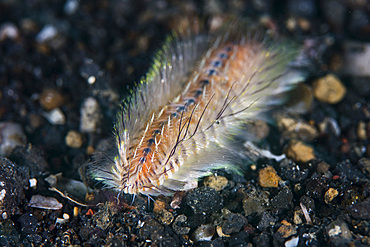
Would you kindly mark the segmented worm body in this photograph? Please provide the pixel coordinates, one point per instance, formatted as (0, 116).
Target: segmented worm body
(182, 121)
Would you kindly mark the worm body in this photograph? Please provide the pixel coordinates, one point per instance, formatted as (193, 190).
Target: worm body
(182, 121)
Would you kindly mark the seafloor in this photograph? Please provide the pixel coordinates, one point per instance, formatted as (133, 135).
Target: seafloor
(65, 65)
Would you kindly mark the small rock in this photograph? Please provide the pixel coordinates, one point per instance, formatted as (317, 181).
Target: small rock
(361, 130)
(216, 182)
(233, 223)
(199, 200)
(329, 125)
(301, 99)
(297, 217)
(287, 229)
(38, 201)
(62, 220)
(300, 152)
(28, 223)
(338, 233)
(35, 120)
(9, 31)
(293, 172)
(203, 233)
(55, 117)
(329, 89)
(220, 233)
(262, 240)
(30, 158)
(364, 165)
(33, 183)
(48, 33)
(51, 99)
(74, 139)
(12, 183)
(356, 59)
(71, 6)
(90, 115)
(255, 202)
(11, 136)
(283, 200)
(293, 129)
(266, 221)
(330, 195)
(178, 225)
(293, 242)
(268, 177)
(360, 210)
(164, 217)
(323, 167)
(348, 170)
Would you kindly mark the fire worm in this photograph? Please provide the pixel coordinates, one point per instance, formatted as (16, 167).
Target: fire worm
(187, 115)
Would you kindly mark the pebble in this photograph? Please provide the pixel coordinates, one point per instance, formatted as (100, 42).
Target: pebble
(233, 223)
(339, 233)
(220, 233)
(266, 221)
(47, 33)
(287, 229)
(39, 201)
(296, 129)
(90, 115)
(329, 125)
(297, 217)
(268, 177)
(12, 182)
(74, 139)
(62, 220)
(164, 216)
(255, 202)
(9, 31)
(11, 136)
(330, 194)
(323, 167)
(293, 172)
(348, 170)
(216, 182)
(28, 223)
(364, 165)
(31, 158)
(283, 200)
(301, 99)
(360, 210)
(293, 242)
(55, 117)
(204, 200)
(35, 120)
(33, 183)
(361, 130)
(329, 89)
(51, 99)
(356, 59)
(178, 227)
(262, 240)
(71, 6)
(203, 233)
(300, 152)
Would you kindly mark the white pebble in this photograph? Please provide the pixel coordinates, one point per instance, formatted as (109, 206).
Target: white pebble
(71, 6)
(55, 117)
(8, 31)
(11, 136)
(47, 33)
(33, 182)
